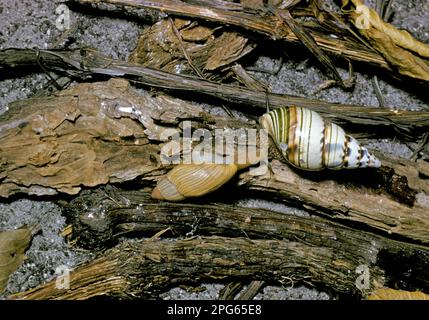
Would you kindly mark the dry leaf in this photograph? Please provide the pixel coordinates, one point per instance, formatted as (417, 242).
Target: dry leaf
(397, 46)
(392, 294)
(401, 38)
(405, 62)
(13, 244)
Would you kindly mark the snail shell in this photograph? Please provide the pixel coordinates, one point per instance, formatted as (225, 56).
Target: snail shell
(309, 142)
(193, 180)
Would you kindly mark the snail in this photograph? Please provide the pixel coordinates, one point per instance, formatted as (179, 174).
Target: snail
(194, 180)
(308, 142)
(304, 138)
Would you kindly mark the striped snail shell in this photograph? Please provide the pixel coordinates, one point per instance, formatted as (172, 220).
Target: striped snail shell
(309, 142)
(193, 180)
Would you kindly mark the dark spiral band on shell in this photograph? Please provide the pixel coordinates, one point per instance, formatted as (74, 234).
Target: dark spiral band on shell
(309, 142)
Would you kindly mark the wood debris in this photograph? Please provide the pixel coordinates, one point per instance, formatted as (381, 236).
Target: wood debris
(392, 294)
(13, 245)
(104, 143)
(400, 48)
(208, 48)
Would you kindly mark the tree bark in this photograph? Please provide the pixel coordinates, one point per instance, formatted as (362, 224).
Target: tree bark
(146, 268)
(267, 25)
(101, 133)
(307, 249)
(368, 121)
(101, 217)
(244, 244)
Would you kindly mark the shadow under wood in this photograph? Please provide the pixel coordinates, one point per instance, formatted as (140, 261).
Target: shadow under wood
(18, 73)
(405, 270)
(142, 17)
(380, 180)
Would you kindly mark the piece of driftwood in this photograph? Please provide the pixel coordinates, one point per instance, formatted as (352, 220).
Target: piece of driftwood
(146, 268)
(81, 137)
(255, 244)
(100, 218)
(345, 202)
(100, 133)
(86, 64)
(257, 21)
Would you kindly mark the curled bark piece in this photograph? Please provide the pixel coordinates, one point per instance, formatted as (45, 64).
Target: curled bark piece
(400, 37)
(230, 47)
(392, 294)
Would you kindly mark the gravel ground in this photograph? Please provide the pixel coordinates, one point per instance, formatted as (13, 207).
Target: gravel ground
(48, 251)
(211, 291)
(32, 23)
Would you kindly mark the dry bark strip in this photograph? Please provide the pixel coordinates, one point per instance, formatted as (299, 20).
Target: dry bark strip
(267, 25)
(101, 133)
(146, 268)
(101, 217)
(84, 64)
(311, 45)
(344, 200)
(278, 248)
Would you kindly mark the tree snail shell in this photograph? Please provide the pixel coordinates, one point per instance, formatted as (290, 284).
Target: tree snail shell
(193, 180)
(309, 142)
